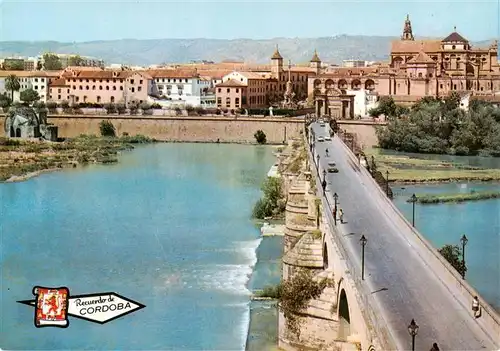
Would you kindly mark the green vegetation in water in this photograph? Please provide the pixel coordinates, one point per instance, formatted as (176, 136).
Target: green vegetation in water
(460, 197)
(272, 292)
(272, 204)
(405, 169)
(295, 294)
(440, 127)
(23, 157)
(453, 255)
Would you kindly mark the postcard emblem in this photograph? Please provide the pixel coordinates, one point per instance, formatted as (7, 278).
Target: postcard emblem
(51, 308)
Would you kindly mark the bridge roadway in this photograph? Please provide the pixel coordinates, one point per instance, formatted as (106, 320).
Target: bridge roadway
(403, 285)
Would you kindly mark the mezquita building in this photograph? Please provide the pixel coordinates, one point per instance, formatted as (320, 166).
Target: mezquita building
(417, 68)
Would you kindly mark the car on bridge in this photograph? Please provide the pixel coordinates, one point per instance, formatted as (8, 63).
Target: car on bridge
(328, 138)
(333, 170)
(321, 138)
(331, 164)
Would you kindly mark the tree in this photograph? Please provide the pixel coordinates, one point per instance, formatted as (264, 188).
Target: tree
(29, 96)
(75, 60)
(453, 255)
(13, 65)
(107, 129)
(273, 98)
(5, 101)
(51, 62)
(39, 65)
(12, 83)
(260, 137)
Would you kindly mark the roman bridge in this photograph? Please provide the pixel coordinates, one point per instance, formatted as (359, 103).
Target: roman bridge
(405, 278)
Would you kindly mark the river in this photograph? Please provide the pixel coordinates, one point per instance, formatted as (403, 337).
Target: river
(169, 226)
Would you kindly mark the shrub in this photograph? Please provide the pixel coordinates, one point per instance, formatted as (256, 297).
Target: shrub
(452, 254)
(121, 109)
(65, 104)
(156, 106)
(107, 129)
(77, 111)
(273, 292)
(144, 106)
(260, 137)
(272, 203)
(52, 106)
(295, 294)
(147, 112)
(110, 108)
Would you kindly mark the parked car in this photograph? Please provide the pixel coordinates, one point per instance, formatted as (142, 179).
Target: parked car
(321, 138)
(328, 138)
(331, 164)
(333, 170)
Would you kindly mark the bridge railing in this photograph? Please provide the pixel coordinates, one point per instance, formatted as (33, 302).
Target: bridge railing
(364, 297)
(489, 320)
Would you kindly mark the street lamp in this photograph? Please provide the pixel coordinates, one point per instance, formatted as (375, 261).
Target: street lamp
(324, 174)
(464, 241)
(335, 197)
(317, 158)
(363, 244)
(413, 200)
(413, 330)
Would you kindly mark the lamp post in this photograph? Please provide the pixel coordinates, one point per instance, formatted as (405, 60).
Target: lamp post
(464, 241)
(387, 183)
(413, 200)
(413, 330)
(324, 175)
(323, 183)
(335, 198)
(317, 159)
(363, 244)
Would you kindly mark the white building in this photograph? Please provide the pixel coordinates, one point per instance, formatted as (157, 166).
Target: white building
(36, 80)
(354, 63)
(364, 100)
(183, 87)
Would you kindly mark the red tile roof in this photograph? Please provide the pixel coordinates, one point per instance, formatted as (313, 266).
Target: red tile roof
(455, 38)
(232, 83)
(59, 82)
(173, 73)
(415, 46)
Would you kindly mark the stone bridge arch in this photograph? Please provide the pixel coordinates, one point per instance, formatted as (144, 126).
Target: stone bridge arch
(344, 316)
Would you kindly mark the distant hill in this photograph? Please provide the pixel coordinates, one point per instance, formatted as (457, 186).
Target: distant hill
(146, 52)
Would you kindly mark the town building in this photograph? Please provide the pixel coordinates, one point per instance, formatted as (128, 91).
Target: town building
(101, 86)
(354, 63)
(266, 85)
(86, 61)
(36, 80)
(182, 87)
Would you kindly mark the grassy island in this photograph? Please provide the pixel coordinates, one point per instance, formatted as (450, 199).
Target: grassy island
(23, 159)
(472, 196)
(404, 169)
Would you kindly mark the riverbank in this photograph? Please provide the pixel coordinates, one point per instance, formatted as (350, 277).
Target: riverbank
(24, 159)
(408, 170)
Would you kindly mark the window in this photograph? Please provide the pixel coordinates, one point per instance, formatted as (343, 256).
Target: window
(93, 80)
(121, 88)
(139, 88)
(219, 102)
(100, 87)
(36, 87)
(185, 80)
(131, 81)
(98, 99)
(430, 75)
(107, 87)
(454, 87)
(93, 87)
(68, 91)
(441, 86)
(114, 87)
(107, 80)
(237, 102)
(453, 47)
(77, 98)
(74, 87)
(419, 74)
(132, 89)
(81, 88)
(220, 90)
(59, 91)
(228, 102)
(140, 82)
(36, 80)
(228, 90)
(237, 90)
(87, 87)
(42, 80)
(58, 97)
(112, 99)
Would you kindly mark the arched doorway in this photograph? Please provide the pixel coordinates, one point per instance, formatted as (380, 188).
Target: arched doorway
(18, 132)
(325, 257)
(344, 317)
(12, 132)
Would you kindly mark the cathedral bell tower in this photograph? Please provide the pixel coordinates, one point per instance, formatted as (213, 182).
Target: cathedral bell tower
(407, 32)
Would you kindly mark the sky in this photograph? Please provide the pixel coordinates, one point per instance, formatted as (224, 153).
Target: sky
(78, 21)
